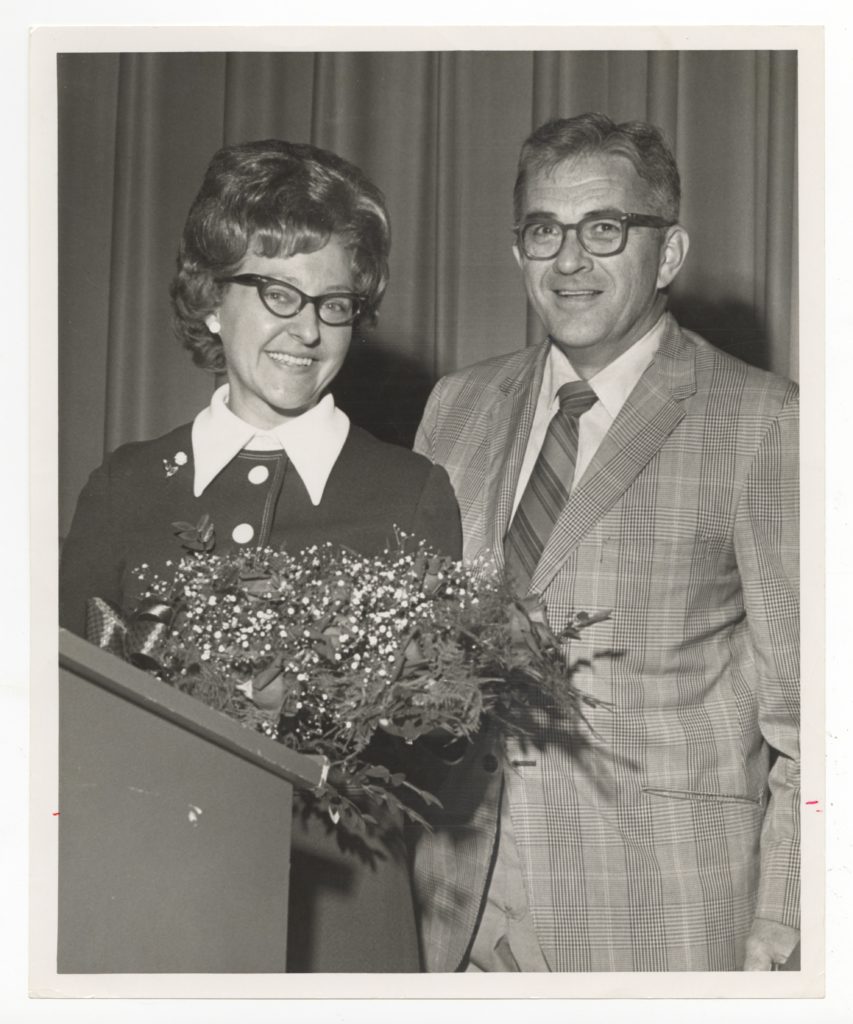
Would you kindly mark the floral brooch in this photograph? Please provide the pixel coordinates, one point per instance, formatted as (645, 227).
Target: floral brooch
(179, 459)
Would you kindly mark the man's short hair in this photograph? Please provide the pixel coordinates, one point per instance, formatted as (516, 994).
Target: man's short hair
(593, 134)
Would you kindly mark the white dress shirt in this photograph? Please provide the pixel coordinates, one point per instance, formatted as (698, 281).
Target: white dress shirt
(312, 441)
(612, 385)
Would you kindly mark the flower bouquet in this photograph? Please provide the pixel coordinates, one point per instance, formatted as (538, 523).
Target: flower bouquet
(326, 650)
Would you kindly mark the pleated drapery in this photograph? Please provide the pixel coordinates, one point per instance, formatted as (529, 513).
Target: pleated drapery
(439, 132)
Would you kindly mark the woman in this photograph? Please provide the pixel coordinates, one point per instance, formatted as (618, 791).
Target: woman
(284, 253)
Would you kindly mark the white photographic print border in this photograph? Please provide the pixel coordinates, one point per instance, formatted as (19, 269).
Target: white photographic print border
(48, 42)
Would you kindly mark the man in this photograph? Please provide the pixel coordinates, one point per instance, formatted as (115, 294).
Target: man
(626, 466)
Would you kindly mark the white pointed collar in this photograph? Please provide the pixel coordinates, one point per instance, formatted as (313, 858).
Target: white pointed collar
(312, 441)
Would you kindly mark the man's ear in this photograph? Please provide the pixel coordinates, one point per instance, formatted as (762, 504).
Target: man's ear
(673, 253)
(517, 255)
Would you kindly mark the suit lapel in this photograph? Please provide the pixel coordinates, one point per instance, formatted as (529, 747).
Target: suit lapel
(650, 414)
(510, 424)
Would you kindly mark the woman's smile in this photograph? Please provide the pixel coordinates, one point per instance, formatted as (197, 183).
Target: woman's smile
(286, 359)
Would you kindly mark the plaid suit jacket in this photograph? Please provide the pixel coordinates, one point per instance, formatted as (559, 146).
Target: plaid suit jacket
(652, 840)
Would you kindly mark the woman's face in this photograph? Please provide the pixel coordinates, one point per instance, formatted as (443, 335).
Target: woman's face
(278, 368)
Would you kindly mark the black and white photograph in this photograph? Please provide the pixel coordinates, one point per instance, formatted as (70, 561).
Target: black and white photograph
(427, 497)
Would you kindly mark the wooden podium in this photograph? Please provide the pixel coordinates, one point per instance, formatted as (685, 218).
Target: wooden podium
(174, 828)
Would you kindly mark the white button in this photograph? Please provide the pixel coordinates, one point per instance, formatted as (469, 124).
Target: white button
(258, 475)
(243, 533)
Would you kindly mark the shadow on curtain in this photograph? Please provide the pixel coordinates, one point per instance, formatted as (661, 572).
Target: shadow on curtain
(440, 134)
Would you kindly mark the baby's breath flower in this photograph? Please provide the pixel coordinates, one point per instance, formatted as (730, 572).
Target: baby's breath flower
(340, 682)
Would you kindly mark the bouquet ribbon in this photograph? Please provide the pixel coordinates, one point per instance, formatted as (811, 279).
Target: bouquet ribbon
(130, 637)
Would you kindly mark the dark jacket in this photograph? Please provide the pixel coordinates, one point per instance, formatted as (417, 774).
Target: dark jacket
(126, 512)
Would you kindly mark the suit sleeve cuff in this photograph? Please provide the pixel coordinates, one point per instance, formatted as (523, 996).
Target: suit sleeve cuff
(782, 939)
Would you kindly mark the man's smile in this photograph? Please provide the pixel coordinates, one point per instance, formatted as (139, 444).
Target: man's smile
(576, 293)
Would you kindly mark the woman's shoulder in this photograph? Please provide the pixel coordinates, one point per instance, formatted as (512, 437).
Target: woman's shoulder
(402, 488)
(156, 455)
(382, 457)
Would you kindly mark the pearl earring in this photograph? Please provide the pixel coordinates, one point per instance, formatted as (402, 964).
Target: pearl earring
(213, 324)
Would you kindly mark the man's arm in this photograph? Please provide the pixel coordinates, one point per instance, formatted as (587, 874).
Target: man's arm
(769, 943)
(424, 438)
(767, 545)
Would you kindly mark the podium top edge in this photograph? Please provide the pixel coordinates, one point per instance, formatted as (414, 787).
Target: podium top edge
(103, 669)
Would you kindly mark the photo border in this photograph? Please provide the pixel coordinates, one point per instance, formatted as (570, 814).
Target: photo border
(45, 44)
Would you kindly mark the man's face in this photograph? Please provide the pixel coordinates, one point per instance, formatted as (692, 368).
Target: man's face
(596, 307)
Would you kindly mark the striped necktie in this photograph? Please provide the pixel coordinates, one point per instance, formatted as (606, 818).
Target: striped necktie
(549, 485)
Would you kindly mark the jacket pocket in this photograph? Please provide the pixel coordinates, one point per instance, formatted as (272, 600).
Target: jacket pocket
(696, 795)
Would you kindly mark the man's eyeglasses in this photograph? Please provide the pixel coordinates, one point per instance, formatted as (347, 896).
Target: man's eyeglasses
(337, 309)
(601, 234)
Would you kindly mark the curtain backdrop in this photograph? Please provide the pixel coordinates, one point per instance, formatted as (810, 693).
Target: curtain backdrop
(440, 134)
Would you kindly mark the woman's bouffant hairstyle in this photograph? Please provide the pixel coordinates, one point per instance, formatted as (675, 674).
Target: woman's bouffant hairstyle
(593, 135)
(277, 199)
